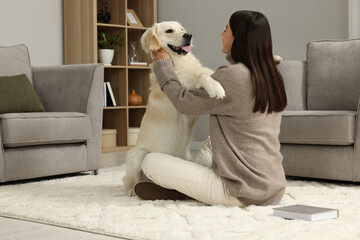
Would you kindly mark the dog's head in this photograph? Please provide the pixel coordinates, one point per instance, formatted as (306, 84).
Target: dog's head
(170, 36)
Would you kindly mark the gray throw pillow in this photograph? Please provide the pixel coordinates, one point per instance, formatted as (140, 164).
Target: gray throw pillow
(17, 95)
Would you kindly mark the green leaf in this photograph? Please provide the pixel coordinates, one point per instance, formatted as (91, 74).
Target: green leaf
(105, 41)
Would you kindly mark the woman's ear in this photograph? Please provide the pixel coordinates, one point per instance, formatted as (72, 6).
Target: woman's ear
(149, 40)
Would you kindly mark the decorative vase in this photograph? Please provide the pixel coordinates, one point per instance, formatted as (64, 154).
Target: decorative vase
(106, 56)
(135, 99)
(133, 53)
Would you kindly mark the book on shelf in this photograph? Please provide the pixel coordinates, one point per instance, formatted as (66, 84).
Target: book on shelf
(109, 98)
(105, 100)
(305, 212)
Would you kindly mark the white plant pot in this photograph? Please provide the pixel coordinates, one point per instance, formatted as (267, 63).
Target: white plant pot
(106, 56)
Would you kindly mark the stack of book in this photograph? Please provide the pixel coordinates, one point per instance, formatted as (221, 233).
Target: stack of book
(308, 213)
(109, 98)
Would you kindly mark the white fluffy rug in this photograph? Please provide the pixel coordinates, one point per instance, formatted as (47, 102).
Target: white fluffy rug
(96, 204)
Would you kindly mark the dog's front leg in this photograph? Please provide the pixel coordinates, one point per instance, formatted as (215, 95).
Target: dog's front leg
(134, 159)
(213, 87)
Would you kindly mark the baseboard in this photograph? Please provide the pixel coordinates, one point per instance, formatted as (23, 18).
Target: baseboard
(195, 146)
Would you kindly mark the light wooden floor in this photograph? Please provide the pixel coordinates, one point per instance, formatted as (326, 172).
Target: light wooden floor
(12, 229)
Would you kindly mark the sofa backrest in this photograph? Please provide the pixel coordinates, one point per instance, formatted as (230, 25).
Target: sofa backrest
(294, 75)
(333, 75)
(15, 60)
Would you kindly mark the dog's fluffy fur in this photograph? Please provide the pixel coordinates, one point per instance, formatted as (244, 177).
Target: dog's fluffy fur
(163, 129)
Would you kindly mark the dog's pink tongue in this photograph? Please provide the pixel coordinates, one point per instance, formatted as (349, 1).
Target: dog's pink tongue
(186, 48)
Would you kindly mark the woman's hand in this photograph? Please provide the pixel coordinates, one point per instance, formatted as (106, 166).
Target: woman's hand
(160, 54)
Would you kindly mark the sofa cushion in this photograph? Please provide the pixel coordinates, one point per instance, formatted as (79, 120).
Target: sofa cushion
(15, 60)
(318, 127)
(18, 95)
(28, 129)
(333, 75)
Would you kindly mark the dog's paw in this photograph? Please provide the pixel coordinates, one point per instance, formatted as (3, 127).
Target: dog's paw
(128, 190)
(128, 182)
(214, 89)
(277, 59)
(131, 192)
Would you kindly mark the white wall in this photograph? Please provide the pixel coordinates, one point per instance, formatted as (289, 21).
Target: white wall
(293, 24)
(36, 23)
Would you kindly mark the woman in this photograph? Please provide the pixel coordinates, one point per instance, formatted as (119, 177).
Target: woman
(244, 126)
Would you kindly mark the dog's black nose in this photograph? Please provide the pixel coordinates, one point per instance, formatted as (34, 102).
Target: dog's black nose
(187, 36)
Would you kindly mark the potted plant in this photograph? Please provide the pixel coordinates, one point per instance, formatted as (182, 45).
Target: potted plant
(107, 45)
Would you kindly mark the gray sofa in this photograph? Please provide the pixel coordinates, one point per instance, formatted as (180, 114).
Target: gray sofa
(320, 128)
(66, 138)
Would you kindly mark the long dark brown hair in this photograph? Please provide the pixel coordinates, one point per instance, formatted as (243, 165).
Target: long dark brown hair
(252, 46)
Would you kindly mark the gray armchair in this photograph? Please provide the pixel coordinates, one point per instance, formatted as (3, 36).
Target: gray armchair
(320, 128)
(66, 138)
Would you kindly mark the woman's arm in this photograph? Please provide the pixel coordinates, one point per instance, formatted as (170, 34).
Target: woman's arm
(188, 102)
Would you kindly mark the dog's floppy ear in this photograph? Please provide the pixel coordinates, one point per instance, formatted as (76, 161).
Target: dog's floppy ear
(149, 40)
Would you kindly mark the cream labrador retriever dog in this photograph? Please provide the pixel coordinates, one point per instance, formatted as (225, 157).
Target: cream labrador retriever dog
(162, 128)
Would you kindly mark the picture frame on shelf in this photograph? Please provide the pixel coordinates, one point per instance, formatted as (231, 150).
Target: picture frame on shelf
(133, 19)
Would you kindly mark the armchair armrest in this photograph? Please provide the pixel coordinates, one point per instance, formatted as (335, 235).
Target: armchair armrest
(356, 163)
(75, 88)
(294, 75)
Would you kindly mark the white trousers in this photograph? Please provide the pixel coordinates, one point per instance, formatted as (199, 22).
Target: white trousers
(195, 179)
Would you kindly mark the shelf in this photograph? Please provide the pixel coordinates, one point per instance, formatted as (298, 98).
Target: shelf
(116, 149)
(124, 107)
(111, 25)
(131, 28)
(115, 108)
(139, 67)
(136, 107)
(114, 66)
(130, 67)
(81, 28)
